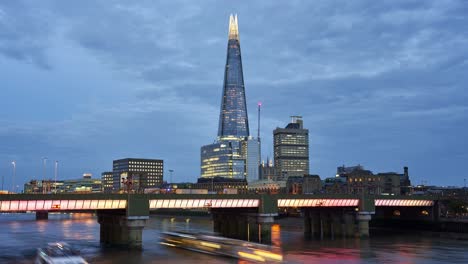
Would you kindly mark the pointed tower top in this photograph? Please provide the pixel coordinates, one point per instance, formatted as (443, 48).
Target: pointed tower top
(233, 27)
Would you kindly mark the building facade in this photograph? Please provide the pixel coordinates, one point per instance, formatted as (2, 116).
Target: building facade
(134, 174)
(107, 179)
(234, 154)
(361, 181)
(291, 149)
(219, 184)
(268, 171)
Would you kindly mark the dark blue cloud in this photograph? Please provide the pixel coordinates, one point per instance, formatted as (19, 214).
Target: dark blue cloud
(378, 83)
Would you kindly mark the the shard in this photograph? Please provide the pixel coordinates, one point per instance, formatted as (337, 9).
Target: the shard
(233, 119)
(234, 154)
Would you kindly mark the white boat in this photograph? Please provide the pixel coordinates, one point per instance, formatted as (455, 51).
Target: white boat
(222, 246)
(58, 253)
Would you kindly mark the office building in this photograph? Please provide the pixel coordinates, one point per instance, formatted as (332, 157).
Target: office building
(234, 154)
(134, 174)
(107, 180)
(291, 149)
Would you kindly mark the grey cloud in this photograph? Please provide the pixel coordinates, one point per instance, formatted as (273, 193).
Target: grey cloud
(25, 32)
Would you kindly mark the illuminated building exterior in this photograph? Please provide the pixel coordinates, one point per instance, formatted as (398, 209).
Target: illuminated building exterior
(291, 149)
(233, 120)
(137, 174)
(107, 179)
(86, 184)
(234, 154)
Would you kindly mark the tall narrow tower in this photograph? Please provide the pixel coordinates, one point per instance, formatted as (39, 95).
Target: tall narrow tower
(233, 119)
(234, 154)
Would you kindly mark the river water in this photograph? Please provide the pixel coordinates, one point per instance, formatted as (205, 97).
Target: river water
(21, 234)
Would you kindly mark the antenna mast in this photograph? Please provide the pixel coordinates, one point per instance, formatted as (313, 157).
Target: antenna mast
(258, 129)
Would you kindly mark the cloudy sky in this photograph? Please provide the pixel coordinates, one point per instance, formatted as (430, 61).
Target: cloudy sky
(378, 83)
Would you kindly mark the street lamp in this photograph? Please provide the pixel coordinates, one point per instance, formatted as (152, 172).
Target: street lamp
(14, 175)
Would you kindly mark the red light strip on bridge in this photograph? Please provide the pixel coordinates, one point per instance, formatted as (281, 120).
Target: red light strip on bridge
(60, 205)
(201, 203)
(395, 202)
(317, 202)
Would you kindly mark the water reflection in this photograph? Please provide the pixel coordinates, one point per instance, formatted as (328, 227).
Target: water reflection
(276, 235)
(41, 226)
(23, 234)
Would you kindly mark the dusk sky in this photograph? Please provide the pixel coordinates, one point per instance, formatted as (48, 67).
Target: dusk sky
(378, 83)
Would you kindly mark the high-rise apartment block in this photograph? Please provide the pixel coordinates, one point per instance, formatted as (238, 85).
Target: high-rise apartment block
(291, 149)
(137, 174)
(234, 154)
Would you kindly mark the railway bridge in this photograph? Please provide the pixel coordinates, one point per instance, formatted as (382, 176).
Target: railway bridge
(122, 217)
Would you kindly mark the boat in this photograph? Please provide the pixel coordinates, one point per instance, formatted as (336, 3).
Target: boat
(221, 246)
(58, 253)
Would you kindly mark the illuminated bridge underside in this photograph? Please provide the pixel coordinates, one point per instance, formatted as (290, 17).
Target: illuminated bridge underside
(317, 202)
(391, 202)
(201, 203)
(60, 205)
(102, 204)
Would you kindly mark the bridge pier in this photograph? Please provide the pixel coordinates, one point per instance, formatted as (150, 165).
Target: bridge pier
(249, 226)
(329, 223)
(118, 229)
(363, 219)
(42, 215)
(349, 225)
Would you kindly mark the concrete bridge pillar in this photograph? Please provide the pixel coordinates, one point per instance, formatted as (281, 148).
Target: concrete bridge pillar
(363, 219)
(246, 226)
(42, 215)
(325, 222)
(337, 225)
(306, 214)
(121, 230)
(349, 225)
(260, 229)
(316, 228)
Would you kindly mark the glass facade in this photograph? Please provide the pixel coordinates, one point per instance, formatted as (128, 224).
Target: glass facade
(291, 149)
(253, 159)
(229, 155)
(222, 159)
(233, 120)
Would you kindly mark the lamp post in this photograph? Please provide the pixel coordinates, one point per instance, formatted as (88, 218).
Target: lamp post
(14, 175)
(44, 162)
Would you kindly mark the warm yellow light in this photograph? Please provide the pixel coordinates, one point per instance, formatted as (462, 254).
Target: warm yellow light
(167, 244)
(270, 255)
(251, 256)
(212, 245)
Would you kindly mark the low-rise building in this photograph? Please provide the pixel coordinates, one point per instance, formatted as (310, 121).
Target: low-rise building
(267, 186)
(218, 184)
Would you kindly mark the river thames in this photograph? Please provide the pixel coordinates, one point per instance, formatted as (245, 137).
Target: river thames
(21, 234)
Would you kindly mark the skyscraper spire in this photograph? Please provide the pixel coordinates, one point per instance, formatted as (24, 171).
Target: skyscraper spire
(233, 27)
(233, 119)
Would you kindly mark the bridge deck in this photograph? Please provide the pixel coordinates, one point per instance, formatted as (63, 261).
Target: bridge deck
(70, 202)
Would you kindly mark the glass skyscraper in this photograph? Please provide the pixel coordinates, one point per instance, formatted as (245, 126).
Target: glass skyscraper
(233, 155)
(233, 120)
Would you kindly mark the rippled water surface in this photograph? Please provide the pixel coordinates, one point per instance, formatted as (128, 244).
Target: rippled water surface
(21, 234)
